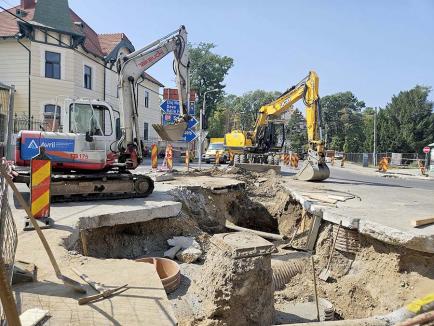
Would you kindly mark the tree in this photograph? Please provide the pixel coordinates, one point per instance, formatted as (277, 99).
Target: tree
(207, 72)
(247, 106)
(342, 121)
(296, 133)
(407, 122)
(368, 129)
(222, 118)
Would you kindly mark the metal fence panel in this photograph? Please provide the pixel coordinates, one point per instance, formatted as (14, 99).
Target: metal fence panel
(405, 159)
(8, 234)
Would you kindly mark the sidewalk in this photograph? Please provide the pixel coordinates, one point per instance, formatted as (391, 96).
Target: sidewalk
(404, 173)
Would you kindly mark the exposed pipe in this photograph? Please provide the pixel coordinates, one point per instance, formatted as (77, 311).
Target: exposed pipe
(266, 235)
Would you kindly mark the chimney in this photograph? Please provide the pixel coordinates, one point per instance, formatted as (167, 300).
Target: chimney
(27, 4)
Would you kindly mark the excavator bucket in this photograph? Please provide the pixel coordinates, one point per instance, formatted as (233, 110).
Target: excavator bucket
(171, 132)
(312, 171)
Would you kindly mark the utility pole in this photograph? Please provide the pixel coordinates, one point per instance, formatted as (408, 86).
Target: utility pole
(202, 113)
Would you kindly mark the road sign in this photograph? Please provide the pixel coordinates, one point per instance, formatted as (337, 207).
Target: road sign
(426, 149)
(169, 119)
(172, 107)
(192, 122)
(189, 135)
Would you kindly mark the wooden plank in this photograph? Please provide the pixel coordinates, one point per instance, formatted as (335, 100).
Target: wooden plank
(422, 221)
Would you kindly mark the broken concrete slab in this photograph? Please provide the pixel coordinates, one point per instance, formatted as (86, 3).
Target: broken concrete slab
(254, 167)
(171, 253)
(242, 244)
(148, 211)
(381, 211)
(162, 177)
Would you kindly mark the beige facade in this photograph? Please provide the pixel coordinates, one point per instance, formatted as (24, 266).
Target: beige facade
(14, 61)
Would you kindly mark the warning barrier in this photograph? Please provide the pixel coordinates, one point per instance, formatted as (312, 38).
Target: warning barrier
(343, 161)
(421, 166)
(40, 179)
(154, 156)
(286, 159)
(217, 158)
(169, 157)
(294, 160)
(187, 159)
(383, 166)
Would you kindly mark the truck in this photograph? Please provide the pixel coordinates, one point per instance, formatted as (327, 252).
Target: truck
(92, 158)
(216, 145)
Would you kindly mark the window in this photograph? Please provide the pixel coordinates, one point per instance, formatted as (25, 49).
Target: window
(51, 117)
(146, 99)
(145, 131)
(95, 119)
(87, 77)
(52, 65)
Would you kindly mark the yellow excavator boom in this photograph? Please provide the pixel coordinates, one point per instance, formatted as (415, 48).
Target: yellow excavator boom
(315, 168)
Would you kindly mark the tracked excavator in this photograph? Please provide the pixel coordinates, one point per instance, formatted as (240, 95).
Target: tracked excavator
(94, 156)
(266, 142)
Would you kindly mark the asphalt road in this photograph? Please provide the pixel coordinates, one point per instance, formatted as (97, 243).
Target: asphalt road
(344, 175)
(347, 175)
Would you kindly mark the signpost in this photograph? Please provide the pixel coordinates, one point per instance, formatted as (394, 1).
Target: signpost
(171, 112)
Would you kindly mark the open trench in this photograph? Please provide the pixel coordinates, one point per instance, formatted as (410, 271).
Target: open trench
(368, 277)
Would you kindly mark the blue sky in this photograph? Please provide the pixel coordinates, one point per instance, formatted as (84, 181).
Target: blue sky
(372, 48)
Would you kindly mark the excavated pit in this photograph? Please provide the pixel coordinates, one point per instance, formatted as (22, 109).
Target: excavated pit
(374, 280)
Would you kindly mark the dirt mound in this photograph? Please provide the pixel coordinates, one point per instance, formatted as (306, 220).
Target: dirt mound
(376, 280)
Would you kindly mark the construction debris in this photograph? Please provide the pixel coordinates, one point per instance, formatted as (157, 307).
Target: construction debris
(24, 272)
(189, 255)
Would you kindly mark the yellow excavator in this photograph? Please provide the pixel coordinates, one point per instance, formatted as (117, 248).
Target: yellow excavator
(266, 142)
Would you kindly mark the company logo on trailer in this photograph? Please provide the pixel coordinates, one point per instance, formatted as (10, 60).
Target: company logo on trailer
(33, 145)
(30, 146)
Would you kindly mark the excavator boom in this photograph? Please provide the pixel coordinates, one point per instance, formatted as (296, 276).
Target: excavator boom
(258, 141)
(131, 70)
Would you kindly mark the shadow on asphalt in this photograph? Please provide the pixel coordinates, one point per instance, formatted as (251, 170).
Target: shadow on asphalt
(362, 183)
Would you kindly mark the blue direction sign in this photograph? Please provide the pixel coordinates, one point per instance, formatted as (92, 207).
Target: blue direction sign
(192, 122)
(172, 107)
(189, 135)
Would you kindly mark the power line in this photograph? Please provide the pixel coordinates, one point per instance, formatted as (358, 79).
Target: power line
(73, 49)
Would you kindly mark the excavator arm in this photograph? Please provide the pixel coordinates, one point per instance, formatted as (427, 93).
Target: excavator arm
(131, 72)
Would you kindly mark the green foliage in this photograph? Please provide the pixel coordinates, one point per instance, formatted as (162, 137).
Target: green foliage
(248, 105)
(407, 123)
(238, 112)
(342, 121)
(222, 118)
(296, 133)
(207, 72)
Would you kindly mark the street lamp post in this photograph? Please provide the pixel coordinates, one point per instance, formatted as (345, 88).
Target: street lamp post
(202, 113)
(375, 138)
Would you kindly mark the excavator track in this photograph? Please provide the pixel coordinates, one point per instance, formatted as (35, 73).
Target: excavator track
(97, 186)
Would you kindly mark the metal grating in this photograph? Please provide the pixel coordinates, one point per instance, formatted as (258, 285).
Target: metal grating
(8, 236)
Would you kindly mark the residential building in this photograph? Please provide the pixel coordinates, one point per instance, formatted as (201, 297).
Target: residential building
(48, 52)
